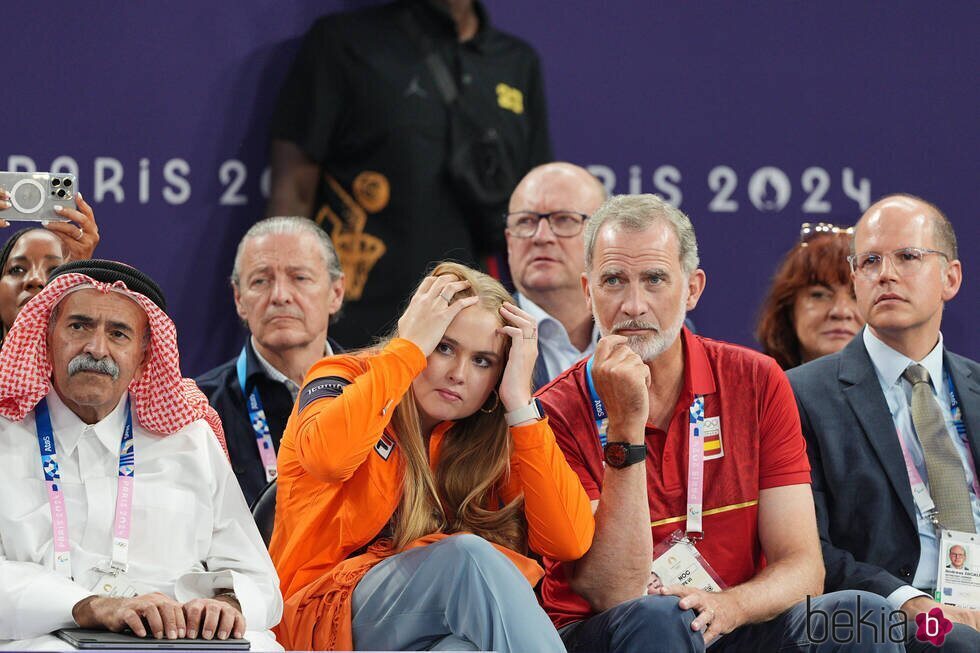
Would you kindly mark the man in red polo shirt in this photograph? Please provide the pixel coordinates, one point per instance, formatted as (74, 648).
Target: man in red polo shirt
(732, 532)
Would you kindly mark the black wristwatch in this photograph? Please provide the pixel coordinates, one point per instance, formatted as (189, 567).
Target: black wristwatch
(623, 454)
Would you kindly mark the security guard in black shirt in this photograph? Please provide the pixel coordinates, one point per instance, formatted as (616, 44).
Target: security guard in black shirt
(402, 129)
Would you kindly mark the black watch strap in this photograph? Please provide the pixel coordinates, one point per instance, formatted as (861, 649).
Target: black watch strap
(623, 454)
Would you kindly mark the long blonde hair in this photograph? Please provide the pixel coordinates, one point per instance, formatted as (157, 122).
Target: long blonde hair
(474, 458)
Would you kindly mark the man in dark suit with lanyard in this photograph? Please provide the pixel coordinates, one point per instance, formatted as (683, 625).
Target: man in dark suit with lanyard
(287, 284)
(893, 420)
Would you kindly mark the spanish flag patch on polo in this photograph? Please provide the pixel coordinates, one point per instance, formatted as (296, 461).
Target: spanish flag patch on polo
(713, 447)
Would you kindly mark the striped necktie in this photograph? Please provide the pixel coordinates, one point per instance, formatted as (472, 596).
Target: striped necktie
(947, 480)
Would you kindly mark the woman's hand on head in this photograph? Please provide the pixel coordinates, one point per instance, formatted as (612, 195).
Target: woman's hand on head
(515, 384)
(432, 309)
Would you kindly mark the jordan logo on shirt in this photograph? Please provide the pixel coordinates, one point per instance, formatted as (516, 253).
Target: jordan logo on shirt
(415, 88)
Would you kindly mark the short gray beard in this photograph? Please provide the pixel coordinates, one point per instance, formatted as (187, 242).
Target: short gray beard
(648, 348)
(88, 363)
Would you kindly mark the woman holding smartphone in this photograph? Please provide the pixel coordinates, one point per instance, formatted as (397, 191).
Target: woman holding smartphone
(30, 254)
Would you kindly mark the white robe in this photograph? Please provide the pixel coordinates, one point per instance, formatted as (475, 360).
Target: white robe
(192, 535)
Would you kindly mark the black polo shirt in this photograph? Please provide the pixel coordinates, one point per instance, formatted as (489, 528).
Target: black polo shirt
(360, 101)
(225, 394)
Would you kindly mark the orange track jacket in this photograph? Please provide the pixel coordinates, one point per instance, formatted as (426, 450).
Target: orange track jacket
(340, 477)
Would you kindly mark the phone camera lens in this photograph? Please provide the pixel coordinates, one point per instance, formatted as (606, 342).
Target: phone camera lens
(61, 192)
(55, 181)
(67, 183)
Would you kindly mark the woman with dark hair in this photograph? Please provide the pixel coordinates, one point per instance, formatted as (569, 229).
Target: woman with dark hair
(415, 477)
(810, 309)
(30, 254)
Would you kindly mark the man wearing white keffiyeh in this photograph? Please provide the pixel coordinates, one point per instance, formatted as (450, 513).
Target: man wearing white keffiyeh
(120, 509)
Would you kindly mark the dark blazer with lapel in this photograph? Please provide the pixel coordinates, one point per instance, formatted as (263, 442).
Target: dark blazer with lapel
(865, 511)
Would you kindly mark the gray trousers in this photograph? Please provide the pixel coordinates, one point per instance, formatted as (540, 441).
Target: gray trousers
(655, 624)
(456, 594)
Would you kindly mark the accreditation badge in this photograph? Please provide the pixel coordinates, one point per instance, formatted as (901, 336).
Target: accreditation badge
(958, 577)
(677, 561)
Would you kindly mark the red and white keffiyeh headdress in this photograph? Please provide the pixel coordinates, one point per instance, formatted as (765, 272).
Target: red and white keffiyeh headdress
(164, 402)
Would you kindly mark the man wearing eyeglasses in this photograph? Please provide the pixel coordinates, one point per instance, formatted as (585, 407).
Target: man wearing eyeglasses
(547, 212)
(957, 558)
(892, 421)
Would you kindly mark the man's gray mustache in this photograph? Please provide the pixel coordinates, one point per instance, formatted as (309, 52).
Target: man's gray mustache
(634, 324)
(89, 363)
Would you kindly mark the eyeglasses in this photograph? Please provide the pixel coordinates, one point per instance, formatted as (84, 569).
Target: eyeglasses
(564, 224)
(906, 261)
(810, 230)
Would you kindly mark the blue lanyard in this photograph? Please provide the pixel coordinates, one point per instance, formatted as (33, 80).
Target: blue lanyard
(602, 418)
(695, 467)
(954, 409)
(598, 410)
(256, 415)
(957, 414)
(56, 499)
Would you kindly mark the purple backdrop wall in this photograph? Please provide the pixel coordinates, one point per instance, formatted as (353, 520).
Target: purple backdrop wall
(753, 117)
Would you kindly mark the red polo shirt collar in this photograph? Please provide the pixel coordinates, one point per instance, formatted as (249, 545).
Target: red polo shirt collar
(699, 378)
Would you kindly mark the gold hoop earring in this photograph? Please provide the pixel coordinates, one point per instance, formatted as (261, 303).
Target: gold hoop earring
(496, 403)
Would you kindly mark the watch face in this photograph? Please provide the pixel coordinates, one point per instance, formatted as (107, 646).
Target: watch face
(615, 455)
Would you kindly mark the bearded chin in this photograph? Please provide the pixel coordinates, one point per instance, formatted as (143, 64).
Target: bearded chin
(649, 347)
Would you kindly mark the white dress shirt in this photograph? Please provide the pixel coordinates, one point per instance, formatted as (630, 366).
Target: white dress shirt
(554, 345)
(191, 535)
(889, 366)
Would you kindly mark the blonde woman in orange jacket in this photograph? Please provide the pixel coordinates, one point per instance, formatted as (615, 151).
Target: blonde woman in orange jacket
(413, 479)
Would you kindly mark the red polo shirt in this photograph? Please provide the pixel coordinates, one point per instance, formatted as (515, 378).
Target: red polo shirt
(761, 446)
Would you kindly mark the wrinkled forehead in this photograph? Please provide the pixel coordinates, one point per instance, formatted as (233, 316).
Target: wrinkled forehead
(622, 246)
(282, 250)
(116, 305)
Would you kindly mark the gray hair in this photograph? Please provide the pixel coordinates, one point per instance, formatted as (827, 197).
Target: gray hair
(638, 213)
(290, 225)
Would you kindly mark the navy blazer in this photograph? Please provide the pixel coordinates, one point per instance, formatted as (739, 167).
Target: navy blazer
(223, 391)
(865, 511)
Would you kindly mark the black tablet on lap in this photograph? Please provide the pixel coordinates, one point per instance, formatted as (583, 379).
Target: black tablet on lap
(103, 639)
